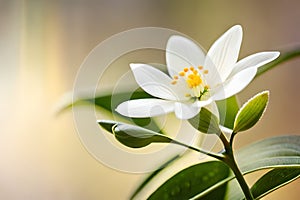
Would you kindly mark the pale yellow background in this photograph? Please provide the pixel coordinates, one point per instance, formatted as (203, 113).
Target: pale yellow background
(43, 43)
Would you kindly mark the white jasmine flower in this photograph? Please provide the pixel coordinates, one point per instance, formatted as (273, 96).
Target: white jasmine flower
(195, 80)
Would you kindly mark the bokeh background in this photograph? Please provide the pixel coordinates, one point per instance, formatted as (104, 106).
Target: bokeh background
(42, 45)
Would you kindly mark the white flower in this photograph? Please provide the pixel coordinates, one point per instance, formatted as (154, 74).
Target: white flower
(195, 80)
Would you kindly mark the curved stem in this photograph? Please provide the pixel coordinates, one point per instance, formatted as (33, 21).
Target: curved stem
(230, 161)
(225, 142)
(217, 156)
(231, 139)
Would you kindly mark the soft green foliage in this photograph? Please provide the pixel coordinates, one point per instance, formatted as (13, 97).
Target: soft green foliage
(250, 113)
(269, 153)
(274, 152)
(109, 101)
(283, 150)
(206, 122)
(192, 181)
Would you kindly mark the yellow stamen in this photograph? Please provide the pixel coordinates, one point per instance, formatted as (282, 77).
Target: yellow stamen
(181, 73)
(195, 72)
(186, 69)
(173, 82)
(187, 95)
(175, 77)
(200, 67)
(192, 68)
(205, 71)
(206, 87)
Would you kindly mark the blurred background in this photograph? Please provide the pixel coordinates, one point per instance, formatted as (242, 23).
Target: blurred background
(42, 45)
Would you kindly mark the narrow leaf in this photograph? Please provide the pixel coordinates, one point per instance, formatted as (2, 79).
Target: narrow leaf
(192, 181)
(273, 180)
(251, 112)
(269, 182)
(206, 122)
(234, 190)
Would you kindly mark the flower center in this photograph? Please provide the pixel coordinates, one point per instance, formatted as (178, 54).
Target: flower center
(194, 80)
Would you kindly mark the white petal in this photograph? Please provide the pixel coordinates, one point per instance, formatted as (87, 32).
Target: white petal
(223, 54)
(201, 104)
(235, 84)
(189, 110)
(186, 110)
(255, 60)
(182, 52)
(157, 83)
(140, 108)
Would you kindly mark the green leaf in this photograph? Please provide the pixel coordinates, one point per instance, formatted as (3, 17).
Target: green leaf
(110, 101)
(206, 122)
(193, 180)
(251, 112)
(271, 152)
(133, 136)
(228, 109)
(273, 180)
(234, 190)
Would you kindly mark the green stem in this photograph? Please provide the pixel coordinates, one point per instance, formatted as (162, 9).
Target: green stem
(225, 142)
(217, 156)
(231, 139)
(230, 161)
